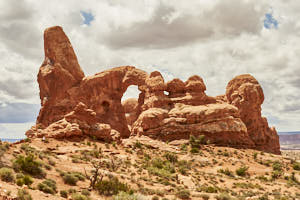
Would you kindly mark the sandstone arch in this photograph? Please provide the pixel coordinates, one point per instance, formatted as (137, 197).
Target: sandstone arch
(63, 85)
(74, 105)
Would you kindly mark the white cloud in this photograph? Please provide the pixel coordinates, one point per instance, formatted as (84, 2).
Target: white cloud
(14, 130)
(215, 39)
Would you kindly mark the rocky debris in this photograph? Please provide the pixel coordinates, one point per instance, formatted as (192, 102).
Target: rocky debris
(76, 106)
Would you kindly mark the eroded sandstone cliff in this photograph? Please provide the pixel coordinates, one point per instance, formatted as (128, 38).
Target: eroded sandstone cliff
(74, 105)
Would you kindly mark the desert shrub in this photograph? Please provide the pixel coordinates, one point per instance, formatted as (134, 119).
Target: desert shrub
(125, 196)
(194, 143)
(173, 158)
(85, 192)
(71, 178)
(51, 162)
(204, 196)
(155, 198)
(27, 148)
(3, 148)
(277, 170)
(202, 139)
(255, 155)
(71, 191)
(276, 174)
(48, 186)
(24, 179)
(223, 196)
(23, 195)
(7, 174)
(207, 189)
(111, 187)
(162, 168)
(77, 196)
(28, 165)
(242, 171)
(183, 166)
(20, 182)
(296, 166)
(194, 150)
(138, 145)
(277, 166)
(183, 194)
(64, 193)
(226, 172)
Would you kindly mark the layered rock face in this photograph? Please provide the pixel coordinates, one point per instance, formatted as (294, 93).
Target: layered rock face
(76, 106)
(246, 94)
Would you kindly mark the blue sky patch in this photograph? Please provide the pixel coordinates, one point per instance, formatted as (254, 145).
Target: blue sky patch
(270, 22)
(87, 17)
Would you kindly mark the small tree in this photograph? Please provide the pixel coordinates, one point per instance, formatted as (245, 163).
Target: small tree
(96, 175)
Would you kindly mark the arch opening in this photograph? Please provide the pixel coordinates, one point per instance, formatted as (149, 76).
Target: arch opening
(131, 92)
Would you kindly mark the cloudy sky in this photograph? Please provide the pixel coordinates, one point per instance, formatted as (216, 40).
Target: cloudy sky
(215, 39)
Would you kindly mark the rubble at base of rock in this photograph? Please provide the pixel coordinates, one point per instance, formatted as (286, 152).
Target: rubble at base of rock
(76, 106)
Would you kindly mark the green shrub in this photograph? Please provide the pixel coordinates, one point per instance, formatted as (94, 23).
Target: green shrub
(194, 142)
(194, 150)
(85, 192)
(76, 196)
(138, 145)
(277, 166)
(71, 178)
(155, 198)
(242, 171)
(173, 158)
(226, 172)
(204, 196)
(223, 196)
(7, 174)
(64, 193)
(183, 166)
(162, 168)
(183, 194)
(255, 155)
(208, 189)
(202, 139)
(27, 180)
(296, 166)
(28, 165)
(125, 196)
(23, 195)
(24, 179)
(111, 187)
(48, 186)
(20, 182)
(276, 174)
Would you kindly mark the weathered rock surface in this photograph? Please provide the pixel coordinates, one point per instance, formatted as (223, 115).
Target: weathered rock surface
(246, 94)
(131, 110)
(74, 105)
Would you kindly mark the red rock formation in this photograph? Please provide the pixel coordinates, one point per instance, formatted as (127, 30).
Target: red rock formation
(246, 94)
(131, 110)
(63, 86)
(186, 111)
(74, 105)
